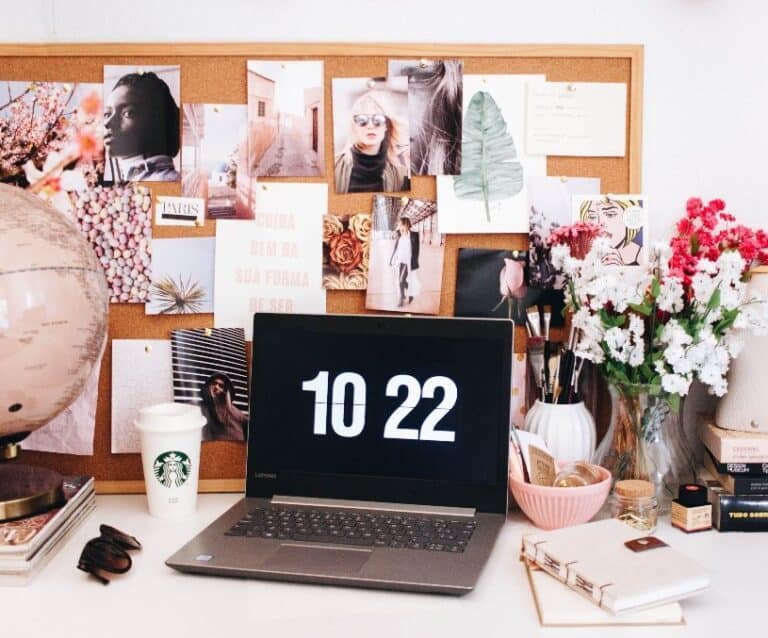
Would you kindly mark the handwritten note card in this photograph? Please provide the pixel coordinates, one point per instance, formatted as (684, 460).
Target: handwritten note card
(274, 262)
(576, 119)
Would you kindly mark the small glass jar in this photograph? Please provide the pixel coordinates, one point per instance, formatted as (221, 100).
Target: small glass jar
(635, 503)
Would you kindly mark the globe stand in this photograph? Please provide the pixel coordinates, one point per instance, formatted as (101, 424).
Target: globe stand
(26, 489)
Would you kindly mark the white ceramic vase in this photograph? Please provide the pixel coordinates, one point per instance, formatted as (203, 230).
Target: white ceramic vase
(567, 429)
(743, 408)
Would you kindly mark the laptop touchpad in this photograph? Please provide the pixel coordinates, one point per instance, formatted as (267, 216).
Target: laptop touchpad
(309, 560)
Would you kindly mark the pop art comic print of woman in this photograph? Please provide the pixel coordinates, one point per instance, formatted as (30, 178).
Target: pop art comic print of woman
(624, 220)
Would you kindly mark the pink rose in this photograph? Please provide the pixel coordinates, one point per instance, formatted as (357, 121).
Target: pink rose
(511, 279)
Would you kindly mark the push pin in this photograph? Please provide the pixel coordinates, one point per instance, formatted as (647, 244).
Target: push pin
(371, 83)
(147, 348)
(423, 63)
(563, 179)
(263, 187)
(208, 332)
(570, 87)
(403, 200)
(198, 223)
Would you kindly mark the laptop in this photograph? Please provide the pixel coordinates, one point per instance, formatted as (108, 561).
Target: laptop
(377, 454)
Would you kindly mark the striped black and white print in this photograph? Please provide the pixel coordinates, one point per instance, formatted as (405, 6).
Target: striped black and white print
(201, 352)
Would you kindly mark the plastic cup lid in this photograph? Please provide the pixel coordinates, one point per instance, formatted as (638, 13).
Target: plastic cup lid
(169, 417)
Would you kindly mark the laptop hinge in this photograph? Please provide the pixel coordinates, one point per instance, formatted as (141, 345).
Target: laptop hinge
(431, 510)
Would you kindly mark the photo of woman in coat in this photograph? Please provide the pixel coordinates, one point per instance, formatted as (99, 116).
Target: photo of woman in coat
(405, 257)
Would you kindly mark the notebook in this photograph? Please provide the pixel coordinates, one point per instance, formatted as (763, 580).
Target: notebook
(560, 606)
(377, 454)
(615, 566)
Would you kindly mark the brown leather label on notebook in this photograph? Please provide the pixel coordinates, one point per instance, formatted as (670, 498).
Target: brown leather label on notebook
(645, 543)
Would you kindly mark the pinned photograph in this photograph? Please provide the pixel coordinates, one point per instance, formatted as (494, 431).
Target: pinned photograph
(550, 201)
(182, 276)
(214, 150)
(285, 118)
(406, 263)
(117, 221)
(51, 138)
(371, 135)
(434, 113)
(492, 283)
(210, 370)
(179, 211)
(141, 376)
(141, 123)
(623, 220)
(346, 249)
(489, 196)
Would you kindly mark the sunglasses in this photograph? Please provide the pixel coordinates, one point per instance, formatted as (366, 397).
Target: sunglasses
(364, 120)
(107, 553)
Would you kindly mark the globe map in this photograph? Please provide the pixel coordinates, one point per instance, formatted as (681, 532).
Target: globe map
(53, 311)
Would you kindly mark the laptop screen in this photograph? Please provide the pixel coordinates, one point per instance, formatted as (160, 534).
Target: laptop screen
(380, 408)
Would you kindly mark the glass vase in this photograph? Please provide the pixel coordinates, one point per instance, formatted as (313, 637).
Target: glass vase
(645, 440)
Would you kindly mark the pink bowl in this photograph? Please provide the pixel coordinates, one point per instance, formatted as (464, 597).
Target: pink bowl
(554, 507)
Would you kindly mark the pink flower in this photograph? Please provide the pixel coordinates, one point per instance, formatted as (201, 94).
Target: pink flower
(512, 279)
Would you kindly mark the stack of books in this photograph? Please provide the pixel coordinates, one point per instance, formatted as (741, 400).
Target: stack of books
(736, 474)
(27, 544)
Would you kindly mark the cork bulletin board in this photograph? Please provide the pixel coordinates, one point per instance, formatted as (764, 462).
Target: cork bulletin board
(216, 73)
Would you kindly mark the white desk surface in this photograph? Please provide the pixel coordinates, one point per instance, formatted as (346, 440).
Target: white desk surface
(154, 600)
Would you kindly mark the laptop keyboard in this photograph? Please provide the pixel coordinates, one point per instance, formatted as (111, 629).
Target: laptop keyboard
(365, 529)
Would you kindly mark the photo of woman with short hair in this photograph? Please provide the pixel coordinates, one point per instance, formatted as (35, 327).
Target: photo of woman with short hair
(141, 125)
(371, 135)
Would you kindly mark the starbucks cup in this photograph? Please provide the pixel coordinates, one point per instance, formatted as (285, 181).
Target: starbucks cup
(170, 456)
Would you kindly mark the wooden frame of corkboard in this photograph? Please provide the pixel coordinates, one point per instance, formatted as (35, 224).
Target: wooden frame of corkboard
(216, 73)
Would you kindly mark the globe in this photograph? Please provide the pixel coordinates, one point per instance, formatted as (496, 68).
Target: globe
(53, 313)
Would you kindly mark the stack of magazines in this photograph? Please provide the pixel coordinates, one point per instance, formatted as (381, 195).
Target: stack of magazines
(27, 544)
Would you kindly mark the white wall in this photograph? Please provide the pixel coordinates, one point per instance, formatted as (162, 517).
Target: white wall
(706, 86)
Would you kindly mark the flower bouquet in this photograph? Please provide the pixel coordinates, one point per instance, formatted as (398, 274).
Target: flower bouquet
(652, 331)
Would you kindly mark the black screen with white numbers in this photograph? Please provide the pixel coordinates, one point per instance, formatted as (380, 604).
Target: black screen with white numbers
(409, 399)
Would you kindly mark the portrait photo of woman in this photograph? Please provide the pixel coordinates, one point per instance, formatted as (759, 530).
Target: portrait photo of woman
(224, 421)
(141, 124)
(623, 219)
(434, 109)
(371, 135)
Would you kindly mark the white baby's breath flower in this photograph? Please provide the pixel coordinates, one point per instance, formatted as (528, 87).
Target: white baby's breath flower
(675, 384)
(706, 266)
(558, 255)
(730, 265)
(670, 297)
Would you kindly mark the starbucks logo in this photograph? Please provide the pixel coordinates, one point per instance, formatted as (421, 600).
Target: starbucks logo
(172, 468)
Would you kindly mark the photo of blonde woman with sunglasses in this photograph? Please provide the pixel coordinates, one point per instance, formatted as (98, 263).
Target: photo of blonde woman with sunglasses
(371, 135)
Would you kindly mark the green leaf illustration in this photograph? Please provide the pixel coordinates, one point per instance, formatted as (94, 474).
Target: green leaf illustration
(489, 170)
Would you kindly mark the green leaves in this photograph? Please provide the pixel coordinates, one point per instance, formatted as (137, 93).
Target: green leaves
(489, 171)
(655, 288)
(609, 321)
(642, 308)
